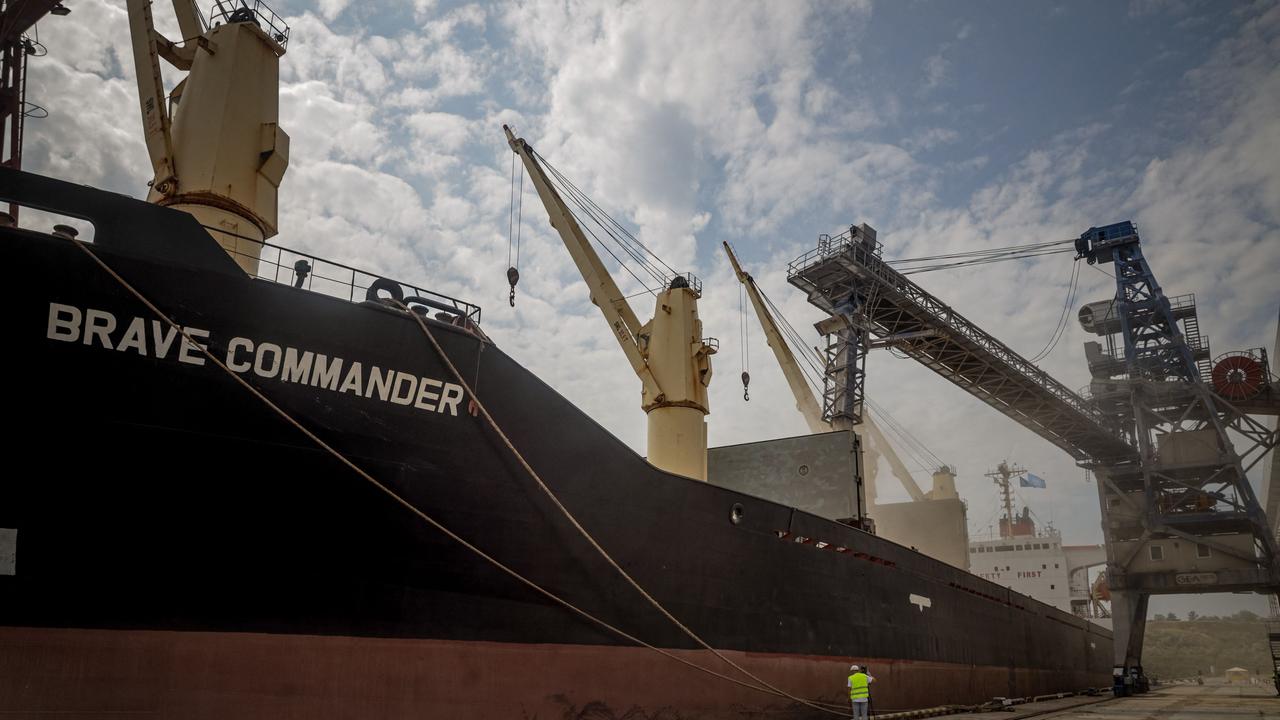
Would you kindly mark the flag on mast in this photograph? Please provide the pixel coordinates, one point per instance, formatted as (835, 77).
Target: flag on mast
(1031, 480)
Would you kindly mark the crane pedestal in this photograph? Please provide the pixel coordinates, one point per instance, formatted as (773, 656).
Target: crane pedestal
(680, 361)
(667, 353)
(678, 441)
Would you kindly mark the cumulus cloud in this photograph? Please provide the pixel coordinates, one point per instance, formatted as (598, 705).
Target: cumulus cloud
(330, 9)
(659, 96)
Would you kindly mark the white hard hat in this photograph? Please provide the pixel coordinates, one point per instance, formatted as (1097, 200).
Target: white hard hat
(853, 667)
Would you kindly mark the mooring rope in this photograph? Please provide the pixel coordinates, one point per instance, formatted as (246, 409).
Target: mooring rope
(398, 499)
(587, 534)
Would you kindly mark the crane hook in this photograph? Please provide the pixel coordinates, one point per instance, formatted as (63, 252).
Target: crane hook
(513, 277)
(746, 380)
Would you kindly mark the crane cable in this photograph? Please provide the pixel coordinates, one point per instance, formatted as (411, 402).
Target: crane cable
(516, 211)
(1061, 328)
(493, 424)
(631, 246)
(946, 261)
(400, 500)
(623, 233)
(589, 229)
(981, 252)
(743, 337)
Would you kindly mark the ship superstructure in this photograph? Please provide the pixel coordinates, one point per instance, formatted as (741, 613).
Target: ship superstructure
(1034, 561)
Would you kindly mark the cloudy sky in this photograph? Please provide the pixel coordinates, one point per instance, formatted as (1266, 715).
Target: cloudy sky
(946, 126)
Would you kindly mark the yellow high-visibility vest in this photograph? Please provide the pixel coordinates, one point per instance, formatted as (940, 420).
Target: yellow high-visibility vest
(858, 686)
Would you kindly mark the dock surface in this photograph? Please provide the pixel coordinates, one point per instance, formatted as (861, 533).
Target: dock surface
(1182, 702)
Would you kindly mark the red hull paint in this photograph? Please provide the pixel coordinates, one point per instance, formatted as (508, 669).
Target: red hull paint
(193, 675)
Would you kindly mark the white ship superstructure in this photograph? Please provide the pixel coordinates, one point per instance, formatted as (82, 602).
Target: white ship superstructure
(1035, 562)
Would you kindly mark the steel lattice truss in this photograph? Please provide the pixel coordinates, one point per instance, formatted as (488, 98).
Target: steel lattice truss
(1154, 347)
(847, 277)
(1201, 497)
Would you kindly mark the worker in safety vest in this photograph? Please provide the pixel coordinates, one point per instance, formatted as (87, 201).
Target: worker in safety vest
(859, 691)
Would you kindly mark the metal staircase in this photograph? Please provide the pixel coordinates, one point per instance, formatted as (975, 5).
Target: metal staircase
(1199, 345)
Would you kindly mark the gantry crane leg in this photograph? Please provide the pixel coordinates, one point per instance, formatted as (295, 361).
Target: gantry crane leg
(1128, 628)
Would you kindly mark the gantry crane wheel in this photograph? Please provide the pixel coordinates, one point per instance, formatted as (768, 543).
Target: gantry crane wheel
(1238, 376)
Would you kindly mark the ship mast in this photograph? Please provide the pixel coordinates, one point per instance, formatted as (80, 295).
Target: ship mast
(217, 150)
(667, 353)
(1002, 476)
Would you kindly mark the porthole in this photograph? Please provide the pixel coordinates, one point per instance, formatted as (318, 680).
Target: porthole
(736, 513)
(803, 470)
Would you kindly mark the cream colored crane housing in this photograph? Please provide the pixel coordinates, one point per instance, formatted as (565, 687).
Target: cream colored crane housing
(668, 352)
(216, 147)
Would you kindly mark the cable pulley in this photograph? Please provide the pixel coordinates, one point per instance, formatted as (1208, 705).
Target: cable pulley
(513, 277)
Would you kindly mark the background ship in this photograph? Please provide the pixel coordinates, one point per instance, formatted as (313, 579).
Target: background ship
(257, 499)
(1034, 561)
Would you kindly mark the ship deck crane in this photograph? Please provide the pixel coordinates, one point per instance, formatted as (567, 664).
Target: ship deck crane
(216, 147)
(667, 353)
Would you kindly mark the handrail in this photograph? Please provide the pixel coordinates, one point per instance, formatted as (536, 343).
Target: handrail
(332, 278)
(230, 11)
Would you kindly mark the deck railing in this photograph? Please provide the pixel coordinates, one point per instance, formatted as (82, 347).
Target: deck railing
(303, 270)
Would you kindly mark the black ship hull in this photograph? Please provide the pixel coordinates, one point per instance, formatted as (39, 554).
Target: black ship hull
(182, 551)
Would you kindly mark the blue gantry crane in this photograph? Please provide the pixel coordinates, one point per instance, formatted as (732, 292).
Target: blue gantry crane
(1185, 519)
(1178, 514)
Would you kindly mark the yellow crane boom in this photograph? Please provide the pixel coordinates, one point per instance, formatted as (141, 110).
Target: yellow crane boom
(805, 401)
(605, 293)
(668, 353)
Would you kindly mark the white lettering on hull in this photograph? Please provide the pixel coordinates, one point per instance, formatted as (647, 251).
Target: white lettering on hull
(93, 327)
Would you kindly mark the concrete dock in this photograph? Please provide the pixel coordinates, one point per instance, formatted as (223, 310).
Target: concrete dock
(1178, 702)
